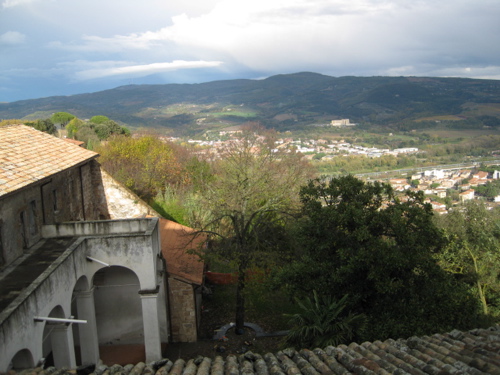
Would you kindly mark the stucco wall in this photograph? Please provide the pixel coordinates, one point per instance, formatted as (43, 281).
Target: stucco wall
(136, 251)
(100, 228)
(18, 329)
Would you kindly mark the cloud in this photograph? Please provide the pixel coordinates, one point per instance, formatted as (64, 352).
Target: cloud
(142, 70)
(234, 23)
(247, 39)
(12, 38)
(118, 43)
(272, 35)
(14, 3)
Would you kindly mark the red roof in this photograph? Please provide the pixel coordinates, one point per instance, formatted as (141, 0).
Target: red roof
(176, 240)
(74, 141)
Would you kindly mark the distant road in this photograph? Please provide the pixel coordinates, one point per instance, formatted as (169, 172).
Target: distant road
(421, 169)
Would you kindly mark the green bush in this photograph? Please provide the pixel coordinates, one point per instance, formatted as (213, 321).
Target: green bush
(322, 322)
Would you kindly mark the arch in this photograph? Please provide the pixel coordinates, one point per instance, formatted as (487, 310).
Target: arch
(56, 312)
(47, 340)
(82, 284)
(84, 335)
(22, 360)
(118, 306)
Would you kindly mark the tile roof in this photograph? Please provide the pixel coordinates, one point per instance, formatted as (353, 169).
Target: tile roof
(473, 352)
(28, 155)
(176, 239)
(74, 141)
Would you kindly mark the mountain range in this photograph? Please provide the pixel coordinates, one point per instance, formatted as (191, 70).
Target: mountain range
(285, 102)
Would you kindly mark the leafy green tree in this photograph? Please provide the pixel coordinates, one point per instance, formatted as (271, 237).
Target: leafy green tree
(144, 164)
(490, 190)
(492, 121)
(200, 172)
(62, 118)
(359, 239)
(73, 126)
(43, 125)
(107, 128)
(99, 119)
(323, 321)
(246, 202)
(102, 129)
(474, 251)
(87, 135)
(319, 155)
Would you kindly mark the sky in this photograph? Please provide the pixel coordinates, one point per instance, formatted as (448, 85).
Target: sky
(66, 47)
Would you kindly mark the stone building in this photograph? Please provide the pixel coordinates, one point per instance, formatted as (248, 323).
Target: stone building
(341, 123)
(75, 273)
(184, 279)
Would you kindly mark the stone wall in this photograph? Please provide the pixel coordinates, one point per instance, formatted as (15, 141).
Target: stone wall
(182, 311)
(58, 198)
(89, 204)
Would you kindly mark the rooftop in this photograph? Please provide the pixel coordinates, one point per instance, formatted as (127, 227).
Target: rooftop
(28, 155)
(176, 241)
(473, 352)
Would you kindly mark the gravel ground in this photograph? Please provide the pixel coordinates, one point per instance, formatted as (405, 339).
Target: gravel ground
(215, 315)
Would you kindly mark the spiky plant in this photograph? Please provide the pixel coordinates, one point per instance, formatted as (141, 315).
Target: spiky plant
(323, 322)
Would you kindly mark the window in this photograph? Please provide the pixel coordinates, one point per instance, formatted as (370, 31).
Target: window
(22, 223)
(54, 200)
(33, 228)
(1, 246)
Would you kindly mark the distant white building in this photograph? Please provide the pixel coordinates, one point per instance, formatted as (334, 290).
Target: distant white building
(341, 122)
(467, 195)
(435, 173)
(406, 150)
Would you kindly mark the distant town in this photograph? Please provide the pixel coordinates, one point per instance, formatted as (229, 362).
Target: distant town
(311, 148)
(444, 188)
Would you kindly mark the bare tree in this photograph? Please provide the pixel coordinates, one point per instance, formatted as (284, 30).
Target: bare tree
(253, 189)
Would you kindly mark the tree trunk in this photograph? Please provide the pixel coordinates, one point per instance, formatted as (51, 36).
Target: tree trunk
(480, 289)
(240, 302)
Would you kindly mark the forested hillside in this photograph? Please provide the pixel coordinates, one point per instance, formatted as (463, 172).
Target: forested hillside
(284, 102)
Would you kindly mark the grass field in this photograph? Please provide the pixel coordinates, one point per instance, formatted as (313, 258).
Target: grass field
(234, 113)
(482, 109)
(462, 133)
(440, 118)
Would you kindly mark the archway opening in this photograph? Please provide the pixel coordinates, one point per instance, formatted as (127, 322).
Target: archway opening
(82, 333)
(48, 338)
(118, 314)
(22, 360)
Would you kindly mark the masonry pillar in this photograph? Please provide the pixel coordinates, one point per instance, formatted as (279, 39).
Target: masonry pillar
(63, 347)
(89, 342)
(150, 316)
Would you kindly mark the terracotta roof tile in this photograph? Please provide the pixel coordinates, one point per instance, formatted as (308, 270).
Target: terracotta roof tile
(473, 352)
(176, 239)
(28, 155)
